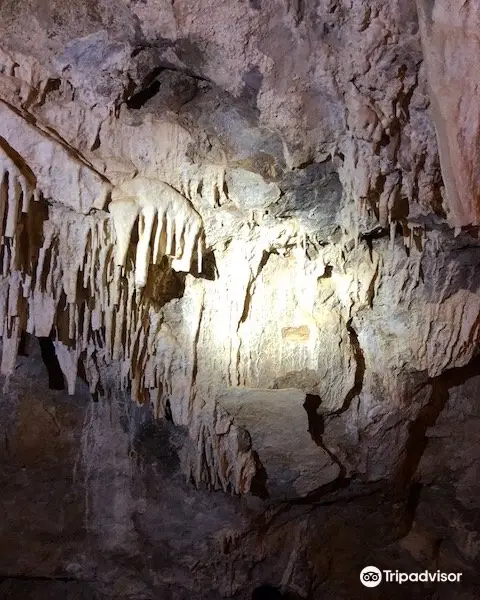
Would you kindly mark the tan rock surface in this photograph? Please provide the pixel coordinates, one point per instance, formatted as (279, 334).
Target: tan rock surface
(198, 197)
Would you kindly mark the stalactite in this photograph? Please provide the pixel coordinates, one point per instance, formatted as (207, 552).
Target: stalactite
(16, 191)
(125, 214)
(83, 259)
(68, 360)
(90, 285)
(178, 226)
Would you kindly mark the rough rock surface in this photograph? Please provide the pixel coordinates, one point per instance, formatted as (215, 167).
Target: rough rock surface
(251, 233)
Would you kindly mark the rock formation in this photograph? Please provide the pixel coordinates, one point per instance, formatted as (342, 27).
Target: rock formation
(250, 234)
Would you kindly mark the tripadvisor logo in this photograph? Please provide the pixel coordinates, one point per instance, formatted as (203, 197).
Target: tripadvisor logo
(372, 576)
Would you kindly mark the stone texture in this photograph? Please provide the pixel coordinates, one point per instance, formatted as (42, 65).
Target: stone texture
(294, 467)
(451, 47)
(251, 233)
(97, 507)
(58, 173)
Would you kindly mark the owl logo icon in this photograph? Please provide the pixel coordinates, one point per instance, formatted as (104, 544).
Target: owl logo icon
(371, 576)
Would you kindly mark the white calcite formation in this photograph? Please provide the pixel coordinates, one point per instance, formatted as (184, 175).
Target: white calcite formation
(16, 192)
(167, 226)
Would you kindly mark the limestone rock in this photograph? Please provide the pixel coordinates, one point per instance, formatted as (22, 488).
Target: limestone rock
(60, 175)
(294, 465)
(451, 48)
(249, 236)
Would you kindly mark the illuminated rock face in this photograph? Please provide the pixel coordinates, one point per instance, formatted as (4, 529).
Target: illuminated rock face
(451, 46)
(259, 225)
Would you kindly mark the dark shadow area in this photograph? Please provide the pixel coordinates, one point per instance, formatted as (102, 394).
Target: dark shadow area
(258, 486)
(149, 88)
(35, 578)
(360, 370)
(428, 415)
(288, 595)
(30, 235)
(23, 345)
(52, 86)
(316, 428)
(315, 421)
(153, 444)
(411, 504)
(271, 592)
(45, 588)
(163, 284)
(267, 592)
(141, 98)
(168, 411)
(50, 360)
(375, 234)
(209, 267)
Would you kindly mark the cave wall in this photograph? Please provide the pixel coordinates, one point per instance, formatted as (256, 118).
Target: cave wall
(96, 506)
(259, 222)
